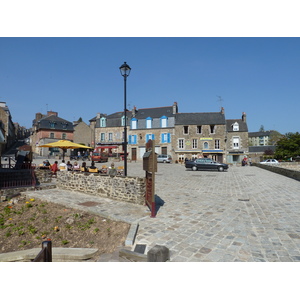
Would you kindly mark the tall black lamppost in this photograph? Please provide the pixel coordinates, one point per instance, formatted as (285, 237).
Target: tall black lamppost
(125, 71)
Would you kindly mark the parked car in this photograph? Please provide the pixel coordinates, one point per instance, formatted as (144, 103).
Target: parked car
(164, 158)
(205, 164)
(270, 162)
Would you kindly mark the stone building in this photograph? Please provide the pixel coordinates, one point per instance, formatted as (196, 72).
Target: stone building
(182, 135)
(82, 134)
(8, 126)
(48, 129)
(237, 139)
(199, 135)
(142, 124)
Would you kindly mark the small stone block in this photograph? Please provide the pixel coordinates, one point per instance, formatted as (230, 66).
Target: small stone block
(158, 254)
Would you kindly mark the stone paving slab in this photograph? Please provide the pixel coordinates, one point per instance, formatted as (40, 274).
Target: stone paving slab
(245, 215)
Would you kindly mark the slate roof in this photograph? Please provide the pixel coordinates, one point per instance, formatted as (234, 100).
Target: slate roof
(210, 118)
(242, 125)
(261, 148)
(156, 112)
(60, 124)
(260, 133)
(115, 119)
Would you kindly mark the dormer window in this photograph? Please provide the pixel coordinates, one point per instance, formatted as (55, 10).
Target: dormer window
(164, 121)
(149, 122)
(64, 125)
(52, 124)
(235, 126)
(134, 123)
(103, 122)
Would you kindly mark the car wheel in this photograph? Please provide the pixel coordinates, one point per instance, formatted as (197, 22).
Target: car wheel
(221, 169)
(164, 161)
(194, 168)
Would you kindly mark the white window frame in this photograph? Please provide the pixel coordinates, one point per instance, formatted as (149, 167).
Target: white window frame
(180, 143)
(195, 144)
(236, 142)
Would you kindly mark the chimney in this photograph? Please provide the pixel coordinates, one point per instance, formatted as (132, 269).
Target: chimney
(134, 110)
(175, 108)
(52, 113)
(38, 116)
(222, 110)
(98, 115)
(244, 117)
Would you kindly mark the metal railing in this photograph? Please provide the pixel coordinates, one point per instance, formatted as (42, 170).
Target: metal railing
(13, 178)
(45, 255)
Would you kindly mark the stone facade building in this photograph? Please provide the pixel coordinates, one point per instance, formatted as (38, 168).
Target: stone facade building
(199, 135)
(182, 135)
(8, 126)
(82, 133)
(237, 139)
(48, 129)
(142, 124)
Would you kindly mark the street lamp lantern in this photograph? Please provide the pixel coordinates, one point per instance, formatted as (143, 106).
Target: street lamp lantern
(125, 71)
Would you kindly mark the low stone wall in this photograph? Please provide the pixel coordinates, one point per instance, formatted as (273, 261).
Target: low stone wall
(128, 189)
(291, 173)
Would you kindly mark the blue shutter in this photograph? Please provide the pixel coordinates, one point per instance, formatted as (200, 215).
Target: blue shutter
(129, 139)
(169, 138)
(134, 139)
(163, 138)
(153, 136)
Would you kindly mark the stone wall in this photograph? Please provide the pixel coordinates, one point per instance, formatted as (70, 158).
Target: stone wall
(295, 174)
(128, 189)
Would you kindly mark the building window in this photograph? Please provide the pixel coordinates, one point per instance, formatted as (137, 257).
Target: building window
(181, 144)
(148, 122)
(51, 135)
(166, 137)
(64, 125)
(150, 136)
(217, 144)
(205, 145)
(195, 144)
(102, 122)
(63, 136)
(164, 122)
(199, 129)
(132, 139)
(212, 128)
(102, 137)
(236, 142)
(185, 129)
(235, 126)
(52, 125)
(133, 123)
(110, 137)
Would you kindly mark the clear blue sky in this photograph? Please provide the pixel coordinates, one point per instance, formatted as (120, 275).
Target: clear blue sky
(78, 77)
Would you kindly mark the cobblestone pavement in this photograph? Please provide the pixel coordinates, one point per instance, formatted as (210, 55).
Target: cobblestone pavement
(244, 214)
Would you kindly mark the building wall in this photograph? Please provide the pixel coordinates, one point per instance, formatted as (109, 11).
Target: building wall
(83, 134)
(194, 144)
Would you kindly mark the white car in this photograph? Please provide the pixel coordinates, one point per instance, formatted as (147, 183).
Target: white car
(270, 161)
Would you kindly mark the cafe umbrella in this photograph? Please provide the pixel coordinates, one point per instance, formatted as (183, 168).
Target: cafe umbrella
(64, 145)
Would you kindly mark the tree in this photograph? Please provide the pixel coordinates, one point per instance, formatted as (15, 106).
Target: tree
(79, 120)
(275, 136)
(288, 146)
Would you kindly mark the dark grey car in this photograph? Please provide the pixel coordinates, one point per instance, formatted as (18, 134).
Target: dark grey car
(205, 164)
